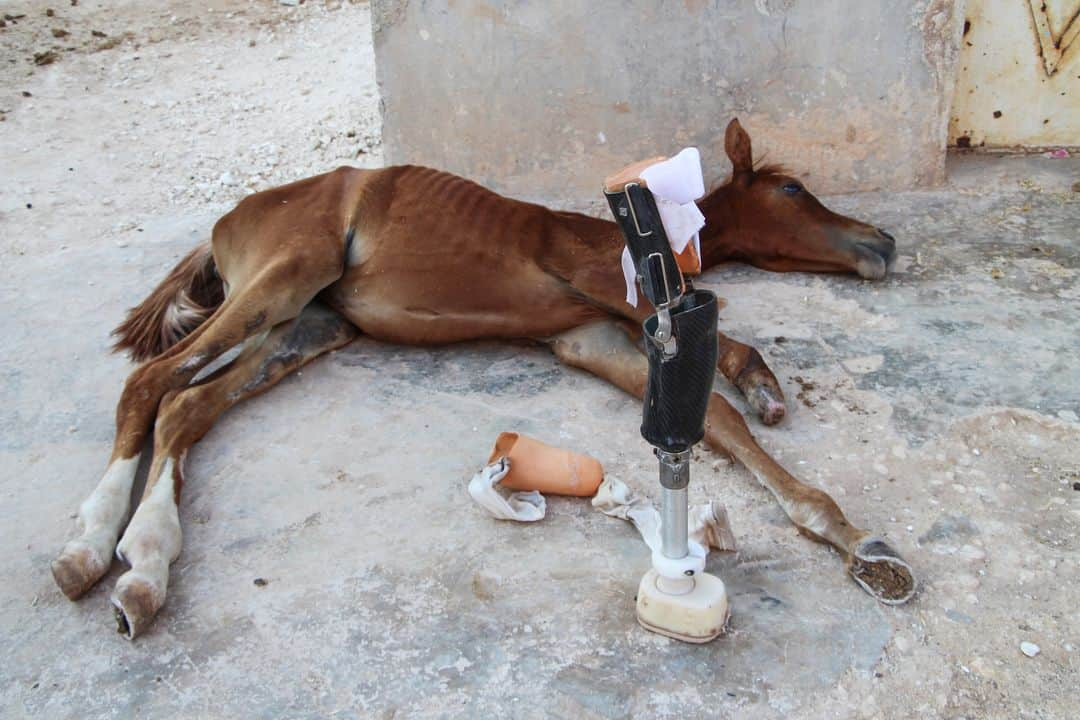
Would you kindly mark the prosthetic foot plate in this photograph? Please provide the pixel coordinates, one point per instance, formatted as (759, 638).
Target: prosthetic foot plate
(695, 617)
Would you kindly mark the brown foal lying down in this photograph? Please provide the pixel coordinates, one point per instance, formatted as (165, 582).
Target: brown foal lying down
(418, 256)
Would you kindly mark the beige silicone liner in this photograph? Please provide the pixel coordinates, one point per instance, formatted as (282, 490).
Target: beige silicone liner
(551, 470)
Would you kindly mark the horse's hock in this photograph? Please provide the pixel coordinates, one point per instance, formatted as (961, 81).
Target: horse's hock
(539, 100)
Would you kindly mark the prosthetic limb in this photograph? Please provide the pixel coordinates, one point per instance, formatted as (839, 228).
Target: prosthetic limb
(676, 597)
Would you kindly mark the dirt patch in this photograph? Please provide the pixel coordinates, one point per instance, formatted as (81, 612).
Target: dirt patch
(805, 388)
(115, 112)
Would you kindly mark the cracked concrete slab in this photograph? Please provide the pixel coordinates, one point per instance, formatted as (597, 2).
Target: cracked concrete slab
(333, 563)
(934, 406)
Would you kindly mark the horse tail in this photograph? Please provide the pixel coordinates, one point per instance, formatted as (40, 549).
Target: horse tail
(178, 305)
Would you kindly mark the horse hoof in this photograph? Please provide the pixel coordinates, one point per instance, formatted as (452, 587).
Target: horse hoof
(77, 569)
(768, 403)
(880, 571)
(135, 601)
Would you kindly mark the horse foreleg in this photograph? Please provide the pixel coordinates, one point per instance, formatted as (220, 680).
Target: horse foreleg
(744, 367)
(605, 349)
(153, 538)
(872, 563)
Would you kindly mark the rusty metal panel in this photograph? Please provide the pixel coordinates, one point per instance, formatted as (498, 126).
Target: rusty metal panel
(1019, 78)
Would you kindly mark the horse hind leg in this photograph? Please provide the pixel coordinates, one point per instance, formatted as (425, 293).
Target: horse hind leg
(101, 517)
(153, 539)
(86, 559)
(281, 290)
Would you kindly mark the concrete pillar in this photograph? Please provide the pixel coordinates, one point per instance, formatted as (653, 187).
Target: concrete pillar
(540, 100)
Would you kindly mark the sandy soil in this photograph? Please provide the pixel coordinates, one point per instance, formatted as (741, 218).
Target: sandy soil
(167, 105)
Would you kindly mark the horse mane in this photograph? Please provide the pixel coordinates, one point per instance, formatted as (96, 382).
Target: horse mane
(761, 169)
(771, 169)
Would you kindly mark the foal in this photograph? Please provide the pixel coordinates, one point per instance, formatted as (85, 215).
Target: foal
(416, 256)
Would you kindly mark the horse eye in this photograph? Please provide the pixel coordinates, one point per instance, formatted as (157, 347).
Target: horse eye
(792, 188)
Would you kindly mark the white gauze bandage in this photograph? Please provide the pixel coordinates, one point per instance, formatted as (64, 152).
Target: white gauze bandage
(675, 184)
(520, 506)
(707, 524)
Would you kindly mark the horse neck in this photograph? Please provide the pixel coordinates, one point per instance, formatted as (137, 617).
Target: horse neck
(720, 231)
(593, 240)
(587, 238)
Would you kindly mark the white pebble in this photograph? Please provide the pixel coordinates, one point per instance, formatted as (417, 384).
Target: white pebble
(1030, 649)
(970, 552)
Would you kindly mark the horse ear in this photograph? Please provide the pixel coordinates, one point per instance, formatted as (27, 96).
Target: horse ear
(737, 146)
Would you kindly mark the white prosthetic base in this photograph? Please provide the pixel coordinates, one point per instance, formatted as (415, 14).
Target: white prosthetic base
(677, 597)
(698, 615)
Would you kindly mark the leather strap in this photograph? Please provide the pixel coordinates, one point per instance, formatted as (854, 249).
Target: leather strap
(657, 268)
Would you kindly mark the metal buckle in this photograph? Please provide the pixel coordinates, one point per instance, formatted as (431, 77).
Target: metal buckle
(663, 336)
(633, 213)
(669, 300)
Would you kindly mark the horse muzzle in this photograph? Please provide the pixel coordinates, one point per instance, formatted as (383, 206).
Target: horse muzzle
(875, 255)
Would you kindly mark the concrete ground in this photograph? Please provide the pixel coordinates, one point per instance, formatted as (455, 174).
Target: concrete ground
(939, 407)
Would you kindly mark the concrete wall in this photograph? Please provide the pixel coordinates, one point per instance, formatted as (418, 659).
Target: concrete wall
(540, 99)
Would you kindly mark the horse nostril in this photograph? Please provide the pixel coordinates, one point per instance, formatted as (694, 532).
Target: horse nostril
(890, 242)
